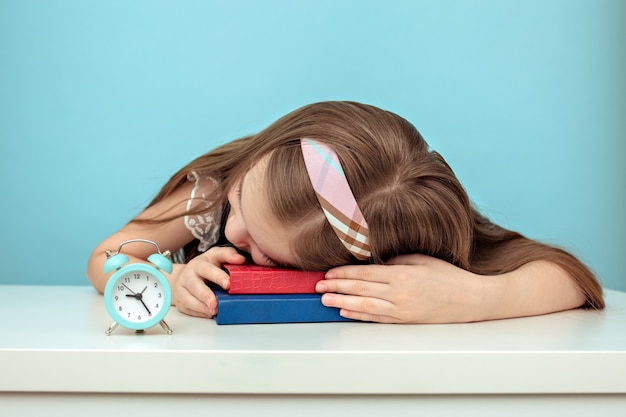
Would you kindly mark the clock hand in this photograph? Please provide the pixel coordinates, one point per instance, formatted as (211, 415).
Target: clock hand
(129, 288)
(144, 304)
(139, 297)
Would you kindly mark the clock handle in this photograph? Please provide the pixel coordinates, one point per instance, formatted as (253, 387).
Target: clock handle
(119, 249)
(116, 260)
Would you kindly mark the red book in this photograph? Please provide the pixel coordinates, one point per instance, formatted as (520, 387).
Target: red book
(255, 279)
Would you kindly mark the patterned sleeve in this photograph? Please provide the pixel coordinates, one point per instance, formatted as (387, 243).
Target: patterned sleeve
(205, 226)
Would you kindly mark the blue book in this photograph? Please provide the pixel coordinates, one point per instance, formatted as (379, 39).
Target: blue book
(272, 308)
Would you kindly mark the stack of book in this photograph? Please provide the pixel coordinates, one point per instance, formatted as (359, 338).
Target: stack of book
(260, 294)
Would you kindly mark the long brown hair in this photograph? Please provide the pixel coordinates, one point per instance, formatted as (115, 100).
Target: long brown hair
(408, 194)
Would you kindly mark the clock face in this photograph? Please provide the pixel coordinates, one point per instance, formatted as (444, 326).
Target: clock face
(138, 296)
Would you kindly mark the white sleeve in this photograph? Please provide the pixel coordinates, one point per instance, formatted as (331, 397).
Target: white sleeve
(205, 226)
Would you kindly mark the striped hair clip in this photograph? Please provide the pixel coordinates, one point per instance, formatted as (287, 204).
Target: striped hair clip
(336, 198)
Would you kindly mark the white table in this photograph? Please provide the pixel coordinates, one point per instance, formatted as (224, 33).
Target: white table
(56, 360)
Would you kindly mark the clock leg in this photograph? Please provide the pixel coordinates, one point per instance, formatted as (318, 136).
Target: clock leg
(111, 328)
(166, 327)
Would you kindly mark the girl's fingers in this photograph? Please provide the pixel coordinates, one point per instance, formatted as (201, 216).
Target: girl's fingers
(370, 273)
(192, 295)
(194, 305)
(208, 272)
(355, 315)
(361, 308)
(220, 255)
(208, 266)
(353, 287)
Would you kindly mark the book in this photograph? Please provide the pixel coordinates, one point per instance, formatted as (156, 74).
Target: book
(272, 308)
(255, 279)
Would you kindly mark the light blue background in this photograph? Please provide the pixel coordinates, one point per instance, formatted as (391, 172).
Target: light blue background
(101, 101)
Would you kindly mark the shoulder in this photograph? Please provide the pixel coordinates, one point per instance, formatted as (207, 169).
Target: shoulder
(193, 195)
(203, 215)
(201, 189)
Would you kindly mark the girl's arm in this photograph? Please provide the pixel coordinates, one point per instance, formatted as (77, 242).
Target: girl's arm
(190, 293)
(422, 289)
(170, 235)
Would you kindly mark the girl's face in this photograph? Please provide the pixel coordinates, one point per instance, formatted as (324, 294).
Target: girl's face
(252, 227)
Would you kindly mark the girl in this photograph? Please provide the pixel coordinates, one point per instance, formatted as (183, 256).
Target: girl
(418, 252)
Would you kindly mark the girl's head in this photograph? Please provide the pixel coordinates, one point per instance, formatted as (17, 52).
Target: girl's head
(409, 196)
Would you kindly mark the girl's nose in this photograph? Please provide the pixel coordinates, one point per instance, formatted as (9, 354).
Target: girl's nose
(236, 233)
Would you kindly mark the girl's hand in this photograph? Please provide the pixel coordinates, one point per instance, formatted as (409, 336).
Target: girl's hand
(190, 293)
(409, 289)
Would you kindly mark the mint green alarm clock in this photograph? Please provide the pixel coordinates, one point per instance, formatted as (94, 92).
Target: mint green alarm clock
(137, 295)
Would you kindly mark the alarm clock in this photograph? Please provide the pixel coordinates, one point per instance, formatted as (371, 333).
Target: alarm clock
(137, 295)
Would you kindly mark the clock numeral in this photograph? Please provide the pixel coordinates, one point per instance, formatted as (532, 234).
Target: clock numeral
(120, 288)
(159, 295)
(156, 285)
(139, 317)
(157, 305)
(116, 298)
(126, 280)
(137, 276)
(120, 308)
